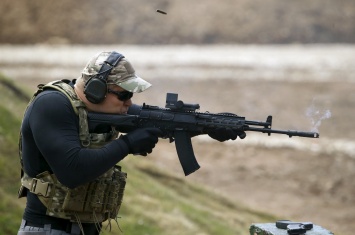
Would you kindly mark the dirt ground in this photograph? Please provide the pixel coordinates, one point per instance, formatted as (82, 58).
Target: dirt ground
(295, 178)
(309, 182)
(291, 184)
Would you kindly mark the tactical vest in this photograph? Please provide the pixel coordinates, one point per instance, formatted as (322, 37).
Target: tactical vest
(92, 202)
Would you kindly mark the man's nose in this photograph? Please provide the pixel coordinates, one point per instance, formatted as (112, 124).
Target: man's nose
(128, 102)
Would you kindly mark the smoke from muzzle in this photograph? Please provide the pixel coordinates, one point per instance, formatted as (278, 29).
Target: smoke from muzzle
(317, 114)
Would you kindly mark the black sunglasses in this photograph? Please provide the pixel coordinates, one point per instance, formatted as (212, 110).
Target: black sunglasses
(121, 95)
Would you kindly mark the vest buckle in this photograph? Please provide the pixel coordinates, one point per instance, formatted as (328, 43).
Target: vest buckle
(40, 187)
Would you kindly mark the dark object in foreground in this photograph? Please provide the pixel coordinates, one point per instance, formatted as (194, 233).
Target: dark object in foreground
(294, 228)
(180, 121)
(286, 227)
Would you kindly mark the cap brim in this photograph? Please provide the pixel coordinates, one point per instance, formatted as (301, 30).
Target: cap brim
(134, 84)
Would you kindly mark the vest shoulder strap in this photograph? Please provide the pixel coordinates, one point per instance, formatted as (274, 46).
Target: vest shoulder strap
(66, 89)
(78, 106)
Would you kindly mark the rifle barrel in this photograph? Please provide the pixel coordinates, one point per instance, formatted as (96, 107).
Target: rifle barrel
(290, 133)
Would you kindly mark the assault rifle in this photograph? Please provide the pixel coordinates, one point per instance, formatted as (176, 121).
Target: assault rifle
(179, 121)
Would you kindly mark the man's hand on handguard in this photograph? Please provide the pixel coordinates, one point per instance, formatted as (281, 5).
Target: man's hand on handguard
(222, 134)
(142, 141)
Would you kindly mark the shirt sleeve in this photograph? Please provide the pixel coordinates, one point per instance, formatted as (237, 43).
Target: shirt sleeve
(55, 130)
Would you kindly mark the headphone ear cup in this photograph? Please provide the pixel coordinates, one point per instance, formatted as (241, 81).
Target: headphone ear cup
(95, 90)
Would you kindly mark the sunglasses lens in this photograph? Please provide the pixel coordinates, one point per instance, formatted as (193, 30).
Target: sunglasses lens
(125, 95)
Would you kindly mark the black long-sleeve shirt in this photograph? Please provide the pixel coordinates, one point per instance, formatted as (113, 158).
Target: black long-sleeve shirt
(50, 142)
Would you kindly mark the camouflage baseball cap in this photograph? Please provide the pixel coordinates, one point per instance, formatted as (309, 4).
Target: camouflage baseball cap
(123, 74)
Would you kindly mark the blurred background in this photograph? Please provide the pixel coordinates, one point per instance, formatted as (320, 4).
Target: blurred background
(207, 22)
(290, 59)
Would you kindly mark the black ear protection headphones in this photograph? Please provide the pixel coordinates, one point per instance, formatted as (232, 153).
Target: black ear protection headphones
(95, 88)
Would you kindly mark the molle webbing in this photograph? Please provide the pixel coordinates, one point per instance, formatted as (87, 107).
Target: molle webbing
(92, 202)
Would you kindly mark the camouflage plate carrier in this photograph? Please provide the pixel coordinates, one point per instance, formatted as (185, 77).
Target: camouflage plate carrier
(92, 202)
